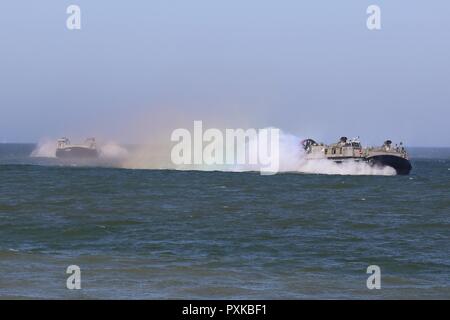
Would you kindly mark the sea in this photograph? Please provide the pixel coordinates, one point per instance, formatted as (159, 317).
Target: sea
(143, 233)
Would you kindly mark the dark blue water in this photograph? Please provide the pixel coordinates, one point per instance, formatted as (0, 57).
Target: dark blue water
(193, 234)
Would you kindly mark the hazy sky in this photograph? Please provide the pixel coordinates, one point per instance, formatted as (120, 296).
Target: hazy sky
(138, 69)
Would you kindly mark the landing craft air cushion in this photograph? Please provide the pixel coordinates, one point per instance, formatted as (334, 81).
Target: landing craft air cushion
(351, 150)
(66, 150)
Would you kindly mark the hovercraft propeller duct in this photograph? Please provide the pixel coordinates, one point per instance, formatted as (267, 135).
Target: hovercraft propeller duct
(307, 143)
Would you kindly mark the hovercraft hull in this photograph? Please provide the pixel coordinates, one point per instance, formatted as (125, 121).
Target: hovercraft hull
(401, 165)
(76, 153)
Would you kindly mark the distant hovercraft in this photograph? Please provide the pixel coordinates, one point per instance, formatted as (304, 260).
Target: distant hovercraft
(66, 150)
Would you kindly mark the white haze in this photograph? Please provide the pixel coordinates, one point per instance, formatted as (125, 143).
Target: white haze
(46, 148)
(113, 151)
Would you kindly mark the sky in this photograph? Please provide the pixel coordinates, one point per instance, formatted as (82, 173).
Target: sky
(139, 69)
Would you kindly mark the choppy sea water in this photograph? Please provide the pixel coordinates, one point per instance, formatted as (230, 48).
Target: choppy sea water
(221, 235)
